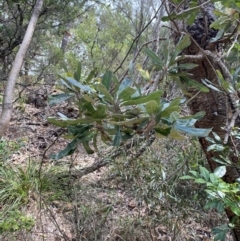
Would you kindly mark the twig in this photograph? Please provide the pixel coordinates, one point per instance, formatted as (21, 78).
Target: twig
(138, 52)
(230, 126)
(64, 235)
(143, 140)
(136, 38)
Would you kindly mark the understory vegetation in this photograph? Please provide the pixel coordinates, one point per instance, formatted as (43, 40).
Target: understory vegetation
(142, 199)
(119, 120)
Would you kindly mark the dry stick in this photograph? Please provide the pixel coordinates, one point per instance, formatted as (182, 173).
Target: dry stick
(7, 106)
(64, 235)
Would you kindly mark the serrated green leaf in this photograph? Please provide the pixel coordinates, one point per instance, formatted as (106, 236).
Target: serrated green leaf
(100, 112)
(220, 171)
(152, 107)
(87, 107)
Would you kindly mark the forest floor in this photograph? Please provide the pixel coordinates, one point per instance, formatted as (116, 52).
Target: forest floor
(133, 201)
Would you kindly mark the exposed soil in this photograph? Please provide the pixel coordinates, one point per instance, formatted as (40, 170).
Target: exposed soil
(102, 205)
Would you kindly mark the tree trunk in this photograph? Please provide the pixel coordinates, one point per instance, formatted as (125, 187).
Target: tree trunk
(219, 106)
(14, 73)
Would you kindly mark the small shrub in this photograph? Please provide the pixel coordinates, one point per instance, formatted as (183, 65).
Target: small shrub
(15, 221)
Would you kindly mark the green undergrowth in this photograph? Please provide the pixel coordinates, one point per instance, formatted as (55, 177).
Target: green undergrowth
(137, 200)
(23, 184)
(144, 199)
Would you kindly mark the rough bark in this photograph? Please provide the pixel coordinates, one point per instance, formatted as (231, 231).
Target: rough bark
(219, 106)
(14, 73)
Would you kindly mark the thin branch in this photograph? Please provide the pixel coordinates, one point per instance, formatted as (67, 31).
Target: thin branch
(143, 142)
(190, 57)
(136, 38)
(138, 52)
(226, 73)
(230, 126)
(193, 8)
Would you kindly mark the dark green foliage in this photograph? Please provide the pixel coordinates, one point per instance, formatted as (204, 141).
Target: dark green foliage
(117, 112)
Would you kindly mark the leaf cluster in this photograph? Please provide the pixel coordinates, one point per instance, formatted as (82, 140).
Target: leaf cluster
(117, 111)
